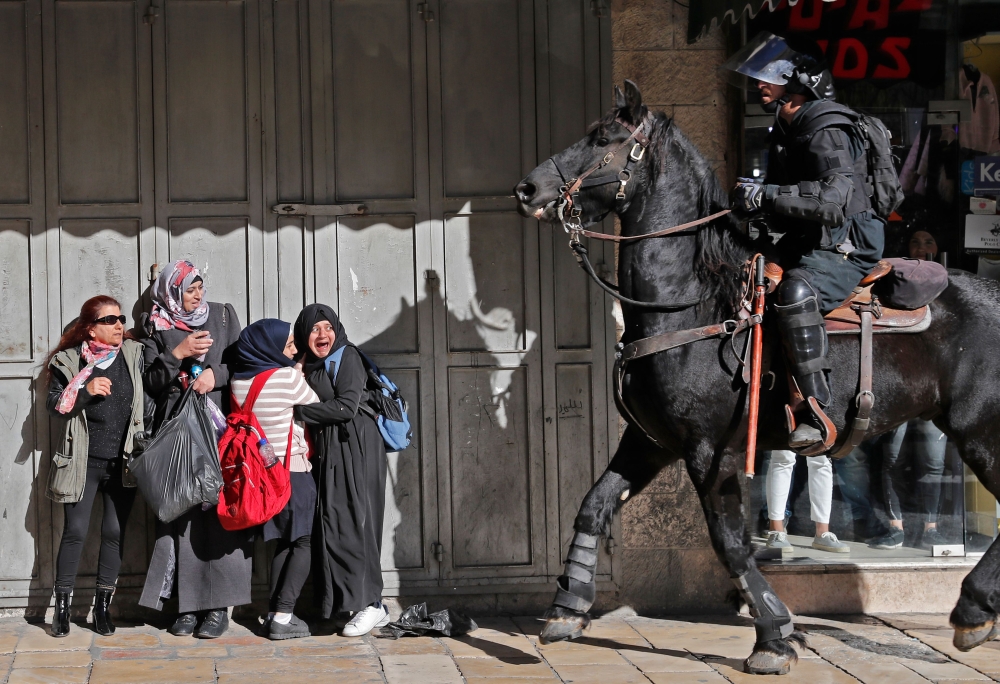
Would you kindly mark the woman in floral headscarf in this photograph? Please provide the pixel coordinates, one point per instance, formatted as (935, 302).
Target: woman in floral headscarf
(196, 560)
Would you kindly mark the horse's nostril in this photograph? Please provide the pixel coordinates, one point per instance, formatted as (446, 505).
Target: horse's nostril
(525, 191)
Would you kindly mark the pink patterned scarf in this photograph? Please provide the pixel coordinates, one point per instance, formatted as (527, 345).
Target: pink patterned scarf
(94, 353)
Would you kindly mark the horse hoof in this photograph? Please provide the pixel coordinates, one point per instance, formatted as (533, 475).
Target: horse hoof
(767, 663)
(562, 628)
(967, 638)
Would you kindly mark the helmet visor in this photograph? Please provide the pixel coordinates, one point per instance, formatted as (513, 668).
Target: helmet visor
(766, 58)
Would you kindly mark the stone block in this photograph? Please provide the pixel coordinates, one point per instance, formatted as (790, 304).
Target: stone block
(410, 646)
(600, 674)
(131, 640)
(33, 659)
(673, 76)
(427, 669)
(297, 664)
(658, 521)
(37, 640)
(882, 673)
(316, 677)
(641, 25)
(50, 675)
(154, 671)
(507, 667)
(664, 661)
(705, 126)
(132, 653)
(714, 39)
(711, 677)
(490, 646)
(938, 671)
(674, 581)
(8, 642)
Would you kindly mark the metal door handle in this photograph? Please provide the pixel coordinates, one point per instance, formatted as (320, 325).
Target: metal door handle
(319, 209)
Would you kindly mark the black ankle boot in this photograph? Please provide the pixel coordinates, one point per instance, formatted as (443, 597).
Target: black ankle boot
(102, 612)
(60, 616)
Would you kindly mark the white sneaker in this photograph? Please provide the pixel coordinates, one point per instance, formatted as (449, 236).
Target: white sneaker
(366, 620)
(778, 540)
(828, 542)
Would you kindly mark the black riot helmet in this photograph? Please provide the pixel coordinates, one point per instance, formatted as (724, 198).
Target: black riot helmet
(771, 59)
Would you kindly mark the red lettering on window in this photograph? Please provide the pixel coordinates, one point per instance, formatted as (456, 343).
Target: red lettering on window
(872, 19)
(823, 43)
(799, 21)
(893, 47)
(858, 55)
(914, 5)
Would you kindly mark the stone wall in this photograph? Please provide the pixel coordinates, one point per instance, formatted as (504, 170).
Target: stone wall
(667, 562)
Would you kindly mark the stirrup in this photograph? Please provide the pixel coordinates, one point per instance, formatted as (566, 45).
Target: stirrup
(827, 428)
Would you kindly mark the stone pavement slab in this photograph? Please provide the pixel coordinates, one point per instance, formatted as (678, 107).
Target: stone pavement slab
(907, 649)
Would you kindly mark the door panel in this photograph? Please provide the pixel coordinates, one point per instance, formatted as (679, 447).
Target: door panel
(480, 83)
(217, 246)
(402, 528)
(484, 282)
(103, 256)
(490, 478)
(18, 525)
(373, 99)
(571, 291)
(98, 104)
(15, 183)
(206, 108)
(380, 312)
(15, 291)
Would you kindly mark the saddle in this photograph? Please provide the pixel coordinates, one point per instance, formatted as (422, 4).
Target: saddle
(860, 314)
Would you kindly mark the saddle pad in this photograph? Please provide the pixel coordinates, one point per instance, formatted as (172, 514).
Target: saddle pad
(845, 321)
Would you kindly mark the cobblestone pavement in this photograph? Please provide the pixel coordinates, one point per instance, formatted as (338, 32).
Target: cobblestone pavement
(896, 649)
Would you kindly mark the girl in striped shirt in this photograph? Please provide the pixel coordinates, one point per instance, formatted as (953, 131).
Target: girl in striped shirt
(263, 346)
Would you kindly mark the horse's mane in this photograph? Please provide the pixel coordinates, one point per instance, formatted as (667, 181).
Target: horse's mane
(721, 248)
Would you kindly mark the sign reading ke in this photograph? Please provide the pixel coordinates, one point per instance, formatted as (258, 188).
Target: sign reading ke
(986, 175)
(982, 234)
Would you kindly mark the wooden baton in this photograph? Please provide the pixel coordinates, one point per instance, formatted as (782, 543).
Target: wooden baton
(757, 346)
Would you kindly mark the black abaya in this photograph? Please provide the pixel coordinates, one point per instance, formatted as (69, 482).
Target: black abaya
(350, 470)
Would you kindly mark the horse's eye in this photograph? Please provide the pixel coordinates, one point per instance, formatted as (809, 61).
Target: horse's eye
(602, 142)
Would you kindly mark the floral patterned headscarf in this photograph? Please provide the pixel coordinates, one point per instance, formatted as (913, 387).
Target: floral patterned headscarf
(168, 297)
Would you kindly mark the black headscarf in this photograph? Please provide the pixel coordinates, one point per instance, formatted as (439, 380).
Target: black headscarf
(308, 317)
(261, 347)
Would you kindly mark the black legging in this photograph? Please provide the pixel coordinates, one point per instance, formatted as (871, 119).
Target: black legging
(289, 572)
(105, 477)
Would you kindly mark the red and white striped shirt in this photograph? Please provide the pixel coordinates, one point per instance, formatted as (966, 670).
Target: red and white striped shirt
(285, 389)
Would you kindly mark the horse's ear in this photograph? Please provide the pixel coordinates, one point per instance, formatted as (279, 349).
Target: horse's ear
(633, 102)
(619, 98)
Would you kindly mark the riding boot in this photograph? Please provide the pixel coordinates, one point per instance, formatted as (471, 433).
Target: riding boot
(60, 616)
(102, 611)
(804, 334)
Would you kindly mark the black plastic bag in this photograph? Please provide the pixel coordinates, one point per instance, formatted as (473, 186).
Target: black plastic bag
(416, 622)
(179, 468)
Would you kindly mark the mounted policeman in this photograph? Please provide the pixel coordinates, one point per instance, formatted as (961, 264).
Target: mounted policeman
(824, 164)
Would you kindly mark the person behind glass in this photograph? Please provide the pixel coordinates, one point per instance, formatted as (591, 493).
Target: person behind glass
(350, 475)
(206, 566)
(779, 479)
(96, 396)
(929, 445)
(263, 346)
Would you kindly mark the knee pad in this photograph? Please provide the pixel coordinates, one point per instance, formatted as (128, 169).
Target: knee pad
(795, 289)
(577, 589)
(771, 618)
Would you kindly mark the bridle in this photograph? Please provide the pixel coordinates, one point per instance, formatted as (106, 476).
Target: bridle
(569, 211)
(568, 207)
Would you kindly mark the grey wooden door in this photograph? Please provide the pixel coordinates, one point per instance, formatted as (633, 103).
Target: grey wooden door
(206, 99)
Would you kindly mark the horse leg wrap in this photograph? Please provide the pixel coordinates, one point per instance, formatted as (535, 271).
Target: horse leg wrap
(770, 616)
(576, 588)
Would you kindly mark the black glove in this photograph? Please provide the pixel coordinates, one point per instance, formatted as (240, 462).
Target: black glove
(747, 197)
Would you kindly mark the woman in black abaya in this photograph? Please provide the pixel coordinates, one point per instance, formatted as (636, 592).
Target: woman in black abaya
(350, 470)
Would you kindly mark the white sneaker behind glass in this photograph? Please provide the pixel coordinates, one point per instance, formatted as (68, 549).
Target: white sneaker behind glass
(366, 620)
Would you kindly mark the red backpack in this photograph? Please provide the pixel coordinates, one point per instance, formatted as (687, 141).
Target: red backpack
(251, 493)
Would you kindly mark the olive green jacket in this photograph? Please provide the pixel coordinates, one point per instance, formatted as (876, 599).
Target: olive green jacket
(68, 472)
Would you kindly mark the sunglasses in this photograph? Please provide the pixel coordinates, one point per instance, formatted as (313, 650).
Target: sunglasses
(111, 320)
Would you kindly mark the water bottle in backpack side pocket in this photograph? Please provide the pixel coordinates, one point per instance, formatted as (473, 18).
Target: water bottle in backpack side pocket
(266, 452)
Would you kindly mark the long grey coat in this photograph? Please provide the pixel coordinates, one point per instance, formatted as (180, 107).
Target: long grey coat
(194, 557)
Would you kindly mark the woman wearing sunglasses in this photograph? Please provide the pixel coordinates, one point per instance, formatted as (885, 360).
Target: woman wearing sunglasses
(96, 398)
(195, 560)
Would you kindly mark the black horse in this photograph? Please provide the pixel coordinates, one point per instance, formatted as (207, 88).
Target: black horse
(688, 401)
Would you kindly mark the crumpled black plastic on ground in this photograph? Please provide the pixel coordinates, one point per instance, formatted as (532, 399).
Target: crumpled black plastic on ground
(416, 622)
